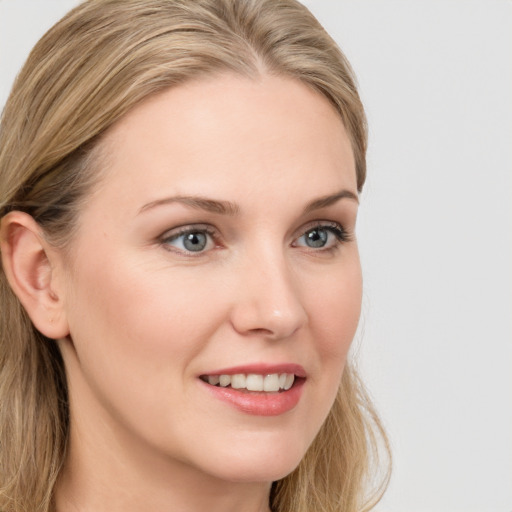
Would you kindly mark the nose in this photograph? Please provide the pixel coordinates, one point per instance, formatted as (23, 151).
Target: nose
(268, 301)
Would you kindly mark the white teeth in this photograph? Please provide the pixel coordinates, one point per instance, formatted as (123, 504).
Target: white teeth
(213, 379)
(271, 383)
(289, 381)
(225, 380)
(254, 382)
(238, 381)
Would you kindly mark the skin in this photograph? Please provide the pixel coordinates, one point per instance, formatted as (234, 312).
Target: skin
(145, 317)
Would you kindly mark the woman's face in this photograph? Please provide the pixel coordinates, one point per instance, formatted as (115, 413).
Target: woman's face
(218, 242)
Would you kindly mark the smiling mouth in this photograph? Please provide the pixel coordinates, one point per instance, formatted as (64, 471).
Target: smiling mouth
(271, 383)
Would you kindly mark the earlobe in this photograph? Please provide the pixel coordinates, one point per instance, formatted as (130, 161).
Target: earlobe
(27, 262)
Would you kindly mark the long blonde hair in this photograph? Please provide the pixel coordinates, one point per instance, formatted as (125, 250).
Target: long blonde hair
(91, 68)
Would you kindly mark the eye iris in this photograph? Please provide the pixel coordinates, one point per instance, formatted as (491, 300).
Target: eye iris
(316, 237)
(194, 241)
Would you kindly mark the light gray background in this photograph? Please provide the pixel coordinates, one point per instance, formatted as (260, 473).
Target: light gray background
(435, 231)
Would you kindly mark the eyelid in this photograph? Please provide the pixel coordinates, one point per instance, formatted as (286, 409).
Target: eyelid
(185, 228)
(174, 233)
(326, 224)
(336, 228)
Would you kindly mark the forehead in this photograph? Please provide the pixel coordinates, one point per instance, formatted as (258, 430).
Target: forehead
(234, 131)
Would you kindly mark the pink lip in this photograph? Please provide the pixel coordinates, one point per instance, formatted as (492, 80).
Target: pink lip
(260, 403)
(262, 369)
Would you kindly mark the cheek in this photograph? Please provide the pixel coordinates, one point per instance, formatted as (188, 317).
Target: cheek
(334, 307)
(141, 307)
(136, 329)
(334, 311)
(134, 332)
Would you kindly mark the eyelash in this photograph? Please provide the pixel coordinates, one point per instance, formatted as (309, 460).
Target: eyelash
(188, 230)
(341, 234)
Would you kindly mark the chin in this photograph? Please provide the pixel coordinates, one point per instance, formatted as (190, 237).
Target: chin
(257, 463)
(266, 473)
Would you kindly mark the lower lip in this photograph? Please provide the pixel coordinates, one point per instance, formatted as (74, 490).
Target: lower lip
(259, 403)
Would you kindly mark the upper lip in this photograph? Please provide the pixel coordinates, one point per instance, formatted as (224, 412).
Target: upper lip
(261, 369)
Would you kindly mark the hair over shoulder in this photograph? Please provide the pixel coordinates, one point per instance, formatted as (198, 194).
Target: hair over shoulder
(90, 69)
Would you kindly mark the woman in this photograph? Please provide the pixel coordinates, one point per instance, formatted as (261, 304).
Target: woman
(181, 281)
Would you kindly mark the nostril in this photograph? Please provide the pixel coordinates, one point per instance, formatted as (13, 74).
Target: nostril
(261, 332)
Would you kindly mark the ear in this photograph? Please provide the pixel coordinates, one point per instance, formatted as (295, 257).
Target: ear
(30, 265)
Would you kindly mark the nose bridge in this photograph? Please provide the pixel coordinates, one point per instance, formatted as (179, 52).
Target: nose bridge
(269, 300)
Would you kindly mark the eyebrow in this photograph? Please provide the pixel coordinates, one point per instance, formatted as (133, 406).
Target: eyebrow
(231, 209)
(197, 202)
(325, 201)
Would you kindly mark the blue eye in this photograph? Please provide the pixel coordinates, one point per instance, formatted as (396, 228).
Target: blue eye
(190, 240)
(317, 237)
(322, 237)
